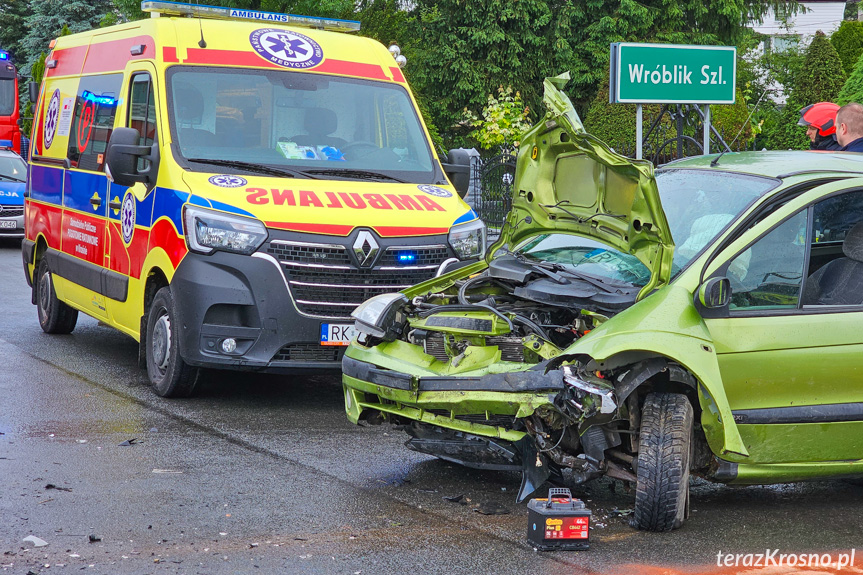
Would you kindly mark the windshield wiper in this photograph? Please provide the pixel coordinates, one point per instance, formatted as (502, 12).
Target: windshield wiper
(11, 179)
(357, 174)
(557, 271)
(252, 167)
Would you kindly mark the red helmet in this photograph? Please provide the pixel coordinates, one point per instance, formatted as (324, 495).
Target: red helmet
(821, 116)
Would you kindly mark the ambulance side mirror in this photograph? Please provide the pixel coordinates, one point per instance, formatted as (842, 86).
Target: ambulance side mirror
(457, 168)
(122, 158)
(33, 87)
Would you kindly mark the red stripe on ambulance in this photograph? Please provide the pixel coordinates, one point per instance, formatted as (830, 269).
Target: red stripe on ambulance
(250, 59)
(110, 56)
(45, 220)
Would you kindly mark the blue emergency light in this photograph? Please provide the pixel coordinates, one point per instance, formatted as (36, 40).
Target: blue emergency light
(4, 55)
(5, 144)
(221, 13)
(407, 257)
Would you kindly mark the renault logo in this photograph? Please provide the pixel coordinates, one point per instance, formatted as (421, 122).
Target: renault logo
(366, 248)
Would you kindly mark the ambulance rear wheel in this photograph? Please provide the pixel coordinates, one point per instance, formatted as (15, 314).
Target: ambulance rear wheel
(664, 454)
(54, 315)
(169, 374)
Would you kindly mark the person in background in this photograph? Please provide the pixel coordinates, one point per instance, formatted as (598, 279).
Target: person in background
(849, 127)
(819, 120)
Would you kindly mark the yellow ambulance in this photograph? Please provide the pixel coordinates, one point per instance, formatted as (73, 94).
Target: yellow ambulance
(226, 186)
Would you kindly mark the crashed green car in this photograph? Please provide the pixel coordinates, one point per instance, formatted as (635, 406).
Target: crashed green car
(638, 324)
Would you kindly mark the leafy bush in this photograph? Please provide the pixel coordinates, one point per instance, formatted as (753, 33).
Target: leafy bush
(504, 120)
(852, 91)
(821, 76)
(848, 41)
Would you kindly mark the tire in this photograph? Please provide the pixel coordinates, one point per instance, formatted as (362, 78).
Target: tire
(54, 316)
(168, 373)
(664, 454)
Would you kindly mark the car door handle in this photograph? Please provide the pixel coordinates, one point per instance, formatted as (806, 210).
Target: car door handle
(115, 205)
(95, 202)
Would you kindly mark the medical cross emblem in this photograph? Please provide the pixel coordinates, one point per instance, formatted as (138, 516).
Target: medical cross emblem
(288, 49)
(127, 217)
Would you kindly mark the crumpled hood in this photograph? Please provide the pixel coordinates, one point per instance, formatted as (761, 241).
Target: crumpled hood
(568, 180)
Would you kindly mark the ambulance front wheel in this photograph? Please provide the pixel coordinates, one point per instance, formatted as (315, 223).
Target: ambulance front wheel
(169, 374)
(54, 315)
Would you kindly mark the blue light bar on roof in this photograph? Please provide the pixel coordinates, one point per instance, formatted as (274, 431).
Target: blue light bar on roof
(156, 8)
(4, 55)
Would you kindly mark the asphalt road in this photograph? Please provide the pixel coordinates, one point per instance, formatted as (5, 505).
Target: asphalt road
(265, 475)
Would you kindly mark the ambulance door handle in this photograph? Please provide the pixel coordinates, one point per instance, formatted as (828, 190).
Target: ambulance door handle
(96, 202)
(115, 205)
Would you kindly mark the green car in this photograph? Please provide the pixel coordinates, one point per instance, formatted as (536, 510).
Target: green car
(644, 325)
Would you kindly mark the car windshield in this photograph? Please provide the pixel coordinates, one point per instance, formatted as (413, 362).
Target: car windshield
(12, 168)
(585, 256)
(309, 124)
(699, 204)
(7, 96)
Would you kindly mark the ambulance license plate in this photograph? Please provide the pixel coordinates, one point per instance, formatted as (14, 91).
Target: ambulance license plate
(337, 333)
(8, 224)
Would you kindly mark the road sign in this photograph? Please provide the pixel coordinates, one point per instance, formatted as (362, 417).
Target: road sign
(672, 74)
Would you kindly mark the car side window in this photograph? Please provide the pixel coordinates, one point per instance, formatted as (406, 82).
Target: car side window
(93, 121)
(835, 276)
(769, 274)
(142, 111)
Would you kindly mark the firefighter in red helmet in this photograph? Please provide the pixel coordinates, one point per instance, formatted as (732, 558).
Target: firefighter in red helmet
(819, 120)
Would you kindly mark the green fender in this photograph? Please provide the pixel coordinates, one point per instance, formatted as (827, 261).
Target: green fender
(667, 324)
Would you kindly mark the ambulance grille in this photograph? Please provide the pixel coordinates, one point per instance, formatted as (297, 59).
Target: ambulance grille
(309, 352)
(7, 211)
(326, 283)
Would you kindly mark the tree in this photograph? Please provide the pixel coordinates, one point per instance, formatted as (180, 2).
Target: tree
(848, 41)
(819, 79)
(47, 18)
(852, 91)
(13, 14)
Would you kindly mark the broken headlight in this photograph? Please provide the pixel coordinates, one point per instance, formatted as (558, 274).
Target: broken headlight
(377, 315)
(590, 396)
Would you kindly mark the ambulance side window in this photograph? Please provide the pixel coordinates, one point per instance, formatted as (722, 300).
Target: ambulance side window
(142, 111)
(93, 121)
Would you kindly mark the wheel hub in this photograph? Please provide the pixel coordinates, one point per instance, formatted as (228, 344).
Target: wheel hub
(161, 343)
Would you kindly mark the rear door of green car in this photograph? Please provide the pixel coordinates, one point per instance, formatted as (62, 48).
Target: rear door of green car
(791, 358)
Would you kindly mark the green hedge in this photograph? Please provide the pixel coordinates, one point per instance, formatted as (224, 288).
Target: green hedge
(848, 42)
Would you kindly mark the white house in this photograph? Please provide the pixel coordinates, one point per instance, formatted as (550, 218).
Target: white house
(789, 31)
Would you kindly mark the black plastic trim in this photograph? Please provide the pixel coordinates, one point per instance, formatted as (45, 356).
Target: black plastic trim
(28, 248)
(829, 413)
(367, 372)
(95, 278)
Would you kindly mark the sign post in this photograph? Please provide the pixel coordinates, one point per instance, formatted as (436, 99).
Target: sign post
(673, 74)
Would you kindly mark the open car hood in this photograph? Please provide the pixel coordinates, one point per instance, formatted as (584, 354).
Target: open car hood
(568, 180)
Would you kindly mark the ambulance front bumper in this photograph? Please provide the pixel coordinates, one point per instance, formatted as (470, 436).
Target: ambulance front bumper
(277, 303)
(229, 296)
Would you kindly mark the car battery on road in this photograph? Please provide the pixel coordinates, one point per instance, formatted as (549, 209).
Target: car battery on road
(558, 523)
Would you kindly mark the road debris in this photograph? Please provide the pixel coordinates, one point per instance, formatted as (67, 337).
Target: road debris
(166, 471)
(460, 499)
(52, 486)
(93, 538)
(36, 541)
(491, 508)
(128, 442)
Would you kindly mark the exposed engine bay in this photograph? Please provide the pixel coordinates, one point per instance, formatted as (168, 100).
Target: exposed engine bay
(528, 311)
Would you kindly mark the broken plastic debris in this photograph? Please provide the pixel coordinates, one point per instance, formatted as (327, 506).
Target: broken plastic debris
(82, 441)
(491, 508)
(93, 538)
(166, 471)
(456, 499)
(128, 442)
(622, 512)
(52, 486)
(36, 541)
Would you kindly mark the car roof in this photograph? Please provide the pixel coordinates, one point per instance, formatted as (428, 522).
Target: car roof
(775, 164)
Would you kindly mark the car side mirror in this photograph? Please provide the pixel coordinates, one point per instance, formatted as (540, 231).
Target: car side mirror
(715, 293)
(122, 155)
(457, 168)
(33, 88)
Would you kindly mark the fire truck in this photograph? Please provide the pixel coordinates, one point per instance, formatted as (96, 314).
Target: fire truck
(10, 113)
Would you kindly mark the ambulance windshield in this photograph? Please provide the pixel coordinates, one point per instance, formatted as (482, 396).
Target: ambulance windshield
(309, 123)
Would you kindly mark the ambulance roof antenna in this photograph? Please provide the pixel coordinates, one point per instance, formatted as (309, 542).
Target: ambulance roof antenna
(202, 43)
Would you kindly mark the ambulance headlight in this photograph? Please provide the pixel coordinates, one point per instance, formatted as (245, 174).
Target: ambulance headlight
(209, 230)
(468, 240)
(375, 316)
